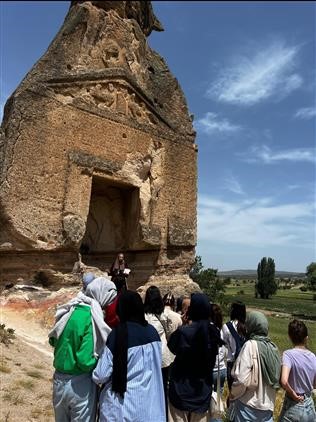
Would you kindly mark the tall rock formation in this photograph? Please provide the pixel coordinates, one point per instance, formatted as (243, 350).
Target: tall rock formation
(97, 153)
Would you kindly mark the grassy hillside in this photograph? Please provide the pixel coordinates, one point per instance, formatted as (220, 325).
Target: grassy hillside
(291, 301)
(252, 274)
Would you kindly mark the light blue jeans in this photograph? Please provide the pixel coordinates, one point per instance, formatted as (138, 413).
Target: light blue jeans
(222, 378)
(240, 412)
(74, 398)
(293, 411)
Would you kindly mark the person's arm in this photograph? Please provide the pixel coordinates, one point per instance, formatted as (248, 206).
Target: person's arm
(104, 368)
(225, 335)
(284, 381)
(241, 371)
(85, 355)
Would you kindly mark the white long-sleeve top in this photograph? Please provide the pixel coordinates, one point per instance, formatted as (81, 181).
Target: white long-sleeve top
(229, 340)
(167, 356)
(263, 397)
(221, 357)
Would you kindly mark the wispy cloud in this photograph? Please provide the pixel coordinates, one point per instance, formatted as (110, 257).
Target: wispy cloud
(305, 113)
(266, 72)
(212, 123)
(264, 154)
(254, 222)
(233, 185)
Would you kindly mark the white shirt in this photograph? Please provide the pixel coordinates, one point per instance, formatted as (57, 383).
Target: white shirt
(176, 320)
(221, 357)
(230, 341)
(167, 356)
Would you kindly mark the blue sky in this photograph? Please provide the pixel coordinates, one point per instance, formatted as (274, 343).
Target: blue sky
(248, 72)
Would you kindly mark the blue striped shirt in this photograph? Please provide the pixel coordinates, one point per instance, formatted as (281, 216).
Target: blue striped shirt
(144, 397)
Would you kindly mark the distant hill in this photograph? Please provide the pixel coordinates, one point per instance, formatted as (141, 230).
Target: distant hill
(253, 274)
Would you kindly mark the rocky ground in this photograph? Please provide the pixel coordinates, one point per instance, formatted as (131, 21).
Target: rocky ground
(26, 382)
(26, 361)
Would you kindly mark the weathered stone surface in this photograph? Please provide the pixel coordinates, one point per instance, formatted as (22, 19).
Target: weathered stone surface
(97, 152)
(178, 285)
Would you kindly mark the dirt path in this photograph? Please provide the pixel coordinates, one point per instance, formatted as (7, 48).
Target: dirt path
(269, 313)
(26, 370)
(27, 329)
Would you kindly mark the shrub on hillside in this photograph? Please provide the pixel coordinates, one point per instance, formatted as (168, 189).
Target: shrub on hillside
(6, 335)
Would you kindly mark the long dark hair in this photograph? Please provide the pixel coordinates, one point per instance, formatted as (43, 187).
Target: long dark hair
(129, 308)
(153, 301)
(238, 312)
(216, 315)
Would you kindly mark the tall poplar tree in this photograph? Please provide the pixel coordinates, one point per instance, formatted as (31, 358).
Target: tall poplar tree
(266, 285)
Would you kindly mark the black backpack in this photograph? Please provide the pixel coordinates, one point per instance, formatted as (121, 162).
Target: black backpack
(239, 340)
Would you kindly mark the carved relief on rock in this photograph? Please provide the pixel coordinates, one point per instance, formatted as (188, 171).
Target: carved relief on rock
(107, 53)
(104, 96)
(109, 96)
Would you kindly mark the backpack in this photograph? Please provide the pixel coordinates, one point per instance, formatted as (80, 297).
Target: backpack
(239, 340)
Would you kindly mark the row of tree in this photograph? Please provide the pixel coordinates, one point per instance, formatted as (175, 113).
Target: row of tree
(265, 286)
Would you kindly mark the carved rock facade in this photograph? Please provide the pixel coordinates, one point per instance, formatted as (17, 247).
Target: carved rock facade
(97, 153)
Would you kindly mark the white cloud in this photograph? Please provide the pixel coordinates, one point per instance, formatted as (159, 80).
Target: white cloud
(264, 154)
(293, 187)
(256, 222)
(212, 123)
(233, 185)
(305, 113)
(265, 73)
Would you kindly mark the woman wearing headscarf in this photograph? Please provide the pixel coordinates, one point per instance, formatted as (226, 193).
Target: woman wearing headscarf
(129, 368)
(155, 315)
(79, 336)
(119, 268)
(256, 374)
(195, 347)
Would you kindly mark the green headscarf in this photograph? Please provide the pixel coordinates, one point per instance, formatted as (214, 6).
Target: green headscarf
(257, 329)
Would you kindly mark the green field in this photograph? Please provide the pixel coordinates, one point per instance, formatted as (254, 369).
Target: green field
(278, 333)
(292, 302)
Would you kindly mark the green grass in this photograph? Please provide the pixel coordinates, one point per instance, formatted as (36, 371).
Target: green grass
(278, 333)
(291, 301)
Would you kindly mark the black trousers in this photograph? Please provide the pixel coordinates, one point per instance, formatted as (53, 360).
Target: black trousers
(165, 379)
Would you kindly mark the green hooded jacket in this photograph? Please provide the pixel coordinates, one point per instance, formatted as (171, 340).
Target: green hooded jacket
(74, 348)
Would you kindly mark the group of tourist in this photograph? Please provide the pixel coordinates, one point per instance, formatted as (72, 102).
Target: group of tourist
(119, 358)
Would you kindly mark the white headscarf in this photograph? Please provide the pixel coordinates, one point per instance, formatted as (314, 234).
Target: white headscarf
(98, 294)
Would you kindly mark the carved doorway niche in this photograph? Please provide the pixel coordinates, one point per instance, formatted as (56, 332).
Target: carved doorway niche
(112, 223)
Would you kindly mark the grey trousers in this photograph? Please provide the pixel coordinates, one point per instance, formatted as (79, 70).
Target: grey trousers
(74, 398)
